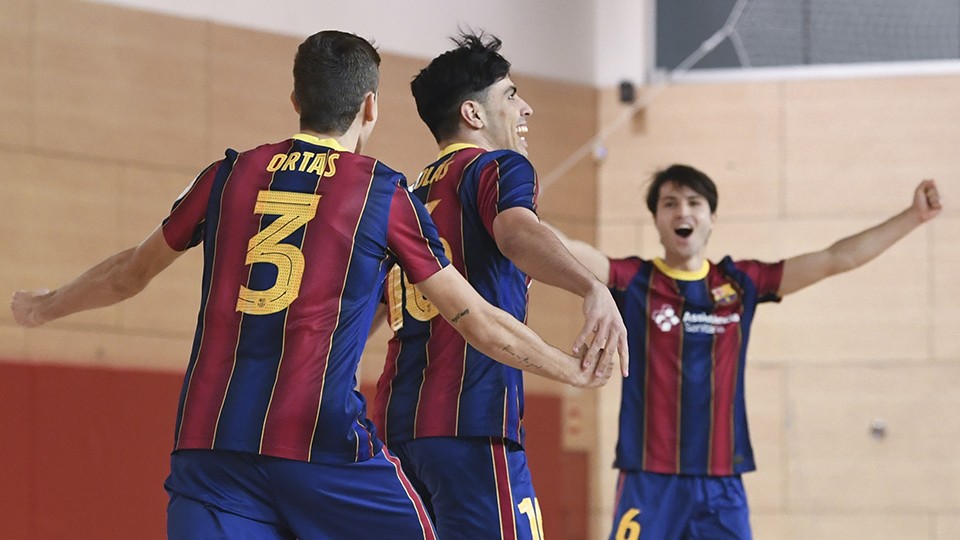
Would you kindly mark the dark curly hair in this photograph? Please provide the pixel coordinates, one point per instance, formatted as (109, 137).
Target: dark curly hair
(455, 76)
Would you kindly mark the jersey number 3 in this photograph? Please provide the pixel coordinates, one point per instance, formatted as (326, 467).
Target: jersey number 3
(294, 210)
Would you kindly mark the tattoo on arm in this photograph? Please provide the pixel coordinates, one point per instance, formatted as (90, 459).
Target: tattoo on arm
(460, 315)
(522, 359)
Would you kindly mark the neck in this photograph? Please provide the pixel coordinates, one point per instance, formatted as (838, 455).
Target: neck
(685, 264)
(474, 137)
(349, 140)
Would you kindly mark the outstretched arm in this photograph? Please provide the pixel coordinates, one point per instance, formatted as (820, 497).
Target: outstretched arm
(854, 251)
(498, 335)
(590, 257)
(117, 278)
(537, 251)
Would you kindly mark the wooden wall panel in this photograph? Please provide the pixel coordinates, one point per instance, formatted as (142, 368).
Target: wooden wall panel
(944, 293)
(75, 103)
(767, 410)
(131, 91)
(17, 86)
(46, 206)
(250, 77)
(947, 527)
(731, 132)
(861, 526)
(835, 462)
(851, 142)
(94, 345)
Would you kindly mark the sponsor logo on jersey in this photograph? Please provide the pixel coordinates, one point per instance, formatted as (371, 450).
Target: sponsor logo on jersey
(666, 319)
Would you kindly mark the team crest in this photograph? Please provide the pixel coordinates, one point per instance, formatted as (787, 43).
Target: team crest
(724, 295)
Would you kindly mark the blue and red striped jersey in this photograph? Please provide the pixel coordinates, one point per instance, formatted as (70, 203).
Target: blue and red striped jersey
(297, 239)
(682, 409)
(434, 383)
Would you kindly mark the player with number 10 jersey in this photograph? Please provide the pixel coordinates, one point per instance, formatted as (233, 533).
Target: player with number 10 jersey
(434, 384)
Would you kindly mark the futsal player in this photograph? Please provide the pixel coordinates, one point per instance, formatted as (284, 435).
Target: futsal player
(451, 412)
(683, 439)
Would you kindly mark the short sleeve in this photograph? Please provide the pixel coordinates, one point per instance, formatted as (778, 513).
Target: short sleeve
(506, 181)
(413, 239)
(183, 227)
(765, 276)
(622, 272)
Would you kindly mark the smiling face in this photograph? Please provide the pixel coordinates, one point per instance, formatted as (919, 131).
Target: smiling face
(684, 221)
(504, 116)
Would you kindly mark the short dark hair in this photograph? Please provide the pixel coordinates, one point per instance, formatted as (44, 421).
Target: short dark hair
(682, 176)
(332, 72)
(455, 76)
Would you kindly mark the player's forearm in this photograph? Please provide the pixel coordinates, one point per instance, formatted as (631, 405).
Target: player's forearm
(856, 250)
(590, 257)
(102, 285)
(499, 335)
(508, 341)
(543, 257)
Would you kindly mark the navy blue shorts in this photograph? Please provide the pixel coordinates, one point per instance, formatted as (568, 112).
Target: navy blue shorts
(474, 487)
(236, 496)
(673, 507)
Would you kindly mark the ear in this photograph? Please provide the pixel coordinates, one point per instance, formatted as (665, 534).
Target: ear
(294, 102)
(370, 109)
(471, 112)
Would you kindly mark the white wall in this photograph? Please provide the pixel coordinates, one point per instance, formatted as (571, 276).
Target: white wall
(597, 42)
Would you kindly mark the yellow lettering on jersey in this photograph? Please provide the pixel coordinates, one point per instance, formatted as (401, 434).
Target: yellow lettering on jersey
(307, 156)
(294, 211)
(395, 298)
(324, 165)
(403, 295)
(275, 162)
(291, 164)
(434, 174)
(423, 177)
(331, 165)
(318, 165)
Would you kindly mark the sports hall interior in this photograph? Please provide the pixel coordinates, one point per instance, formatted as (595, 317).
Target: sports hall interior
(108, 112)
